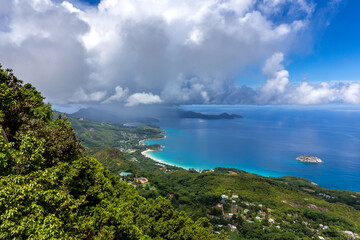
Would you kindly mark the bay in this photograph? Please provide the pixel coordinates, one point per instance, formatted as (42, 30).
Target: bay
(268, 140)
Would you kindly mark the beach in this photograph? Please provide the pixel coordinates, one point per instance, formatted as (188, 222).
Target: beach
(268, 141)
(146, 154)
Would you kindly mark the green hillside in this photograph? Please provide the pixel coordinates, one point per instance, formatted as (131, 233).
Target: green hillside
(259, 207)
(263, 208)
(50, 189)
(101, 134)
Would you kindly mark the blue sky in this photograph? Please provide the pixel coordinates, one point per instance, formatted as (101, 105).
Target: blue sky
(335, 53)
(334, 50)
(134, 52)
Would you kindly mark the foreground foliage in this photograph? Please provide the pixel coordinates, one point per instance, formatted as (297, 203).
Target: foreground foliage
(50, 189)
(261, 207)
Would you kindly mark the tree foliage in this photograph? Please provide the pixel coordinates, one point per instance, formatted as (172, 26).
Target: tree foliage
(49, 189)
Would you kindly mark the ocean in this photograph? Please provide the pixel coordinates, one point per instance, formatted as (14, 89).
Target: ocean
(268, 140)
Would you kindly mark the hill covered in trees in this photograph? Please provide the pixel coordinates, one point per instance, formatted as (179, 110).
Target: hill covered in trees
(239, 205)
(50, 189)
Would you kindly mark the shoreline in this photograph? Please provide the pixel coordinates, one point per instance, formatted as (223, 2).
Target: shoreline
(260, 172)
(142, 142)
(146, 154)
(147, 151)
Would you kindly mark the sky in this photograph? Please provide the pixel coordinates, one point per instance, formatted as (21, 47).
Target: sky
(155, 52)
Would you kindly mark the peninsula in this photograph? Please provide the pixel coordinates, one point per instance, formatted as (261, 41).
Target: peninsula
(191, 114)
(309, 159)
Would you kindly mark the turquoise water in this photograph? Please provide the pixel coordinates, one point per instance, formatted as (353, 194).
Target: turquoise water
(268, 140)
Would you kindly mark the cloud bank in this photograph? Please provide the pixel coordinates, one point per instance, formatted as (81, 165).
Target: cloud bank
(133, 52)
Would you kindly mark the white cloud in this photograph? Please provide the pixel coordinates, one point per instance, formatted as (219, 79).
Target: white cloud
(279, 90)
(70, 7)
(162, 51)
(81, 96)
(119, 95)
(277, 79)
(351, 93)
(142, 98)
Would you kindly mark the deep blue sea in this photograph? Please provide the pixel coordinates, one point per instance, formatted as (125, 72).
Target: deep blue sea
(268, 140)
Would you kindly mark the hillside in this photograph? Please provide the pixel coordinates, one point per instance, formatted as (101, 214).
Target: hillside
(50, 189)
(255, 206)
(103, 134)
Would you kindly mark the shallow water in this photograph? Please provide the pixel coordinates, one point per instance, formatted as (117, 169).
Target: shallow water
(268, 140)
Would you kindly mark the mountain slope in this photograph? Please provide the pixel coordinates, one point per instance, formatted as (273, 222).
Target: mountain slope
(49, 189)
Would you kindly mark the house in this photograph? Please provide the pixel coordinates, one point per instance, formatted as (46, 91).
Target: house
(262, 213)
(235, 196)
(124, 174)
(246, 210)
(219, 205)
(142, 180)
(232, 227)
(81, 119)
(223, 196)
(271, 220)
(171, 196)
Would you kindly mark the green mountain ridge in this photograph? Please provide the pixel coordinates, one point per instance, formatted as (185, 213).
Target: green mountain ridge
(52, 186)
(299, 209)
(50, 189)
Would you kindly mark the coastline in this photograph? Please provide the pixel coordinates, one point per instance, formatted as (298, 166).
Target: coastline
(142, 142)
(147, 151)
(146, 154)
(168, 158)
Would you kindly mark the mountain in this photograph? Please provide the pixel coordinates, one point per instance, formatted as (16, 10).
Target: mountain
(111, 117)
(241, 205)
(191, 114)
(99, 134)
(50, 189)
(256, 207)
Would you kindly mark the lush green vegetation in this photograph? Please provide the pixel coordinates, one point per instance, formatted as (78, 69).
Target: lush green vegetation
(265, 208)
(49, 189)
(262, 208)
(101, 134)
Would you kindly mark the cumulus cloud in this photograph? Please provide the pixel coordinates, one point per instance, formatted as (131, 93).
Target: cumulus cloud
(277, 79)
(153, 51)
(119, 95)
(279, 90)
(81, 96)
(142, 98)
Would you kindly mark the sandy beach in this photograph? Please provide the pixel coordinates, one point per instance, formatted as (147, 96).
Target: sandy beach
(145, 153)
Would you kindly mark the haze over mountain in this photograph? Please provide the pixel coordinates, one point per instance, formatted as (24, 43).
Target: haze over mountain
(130, 53)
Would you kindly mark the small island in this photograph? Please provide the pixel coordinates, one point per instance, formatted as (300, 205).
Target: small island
(191, 114)
(309, 159)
